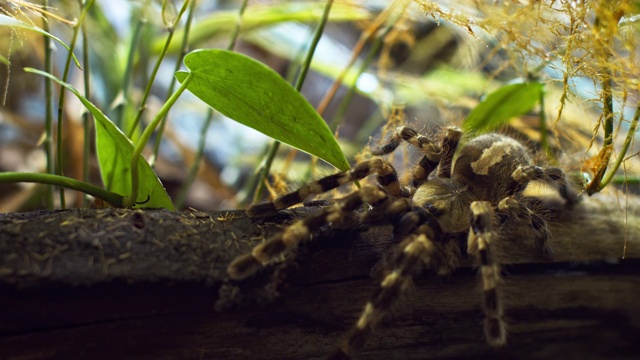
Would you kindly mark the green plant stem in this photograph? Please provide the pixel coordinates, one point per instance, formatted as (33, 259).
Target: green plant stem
(64, 182)
(193, 170)
(314, 44)
(252, 184)
(86, 116)
(346, 100)
(137, 152)
(135, 38)
(607, 109)
(184, 48)
(597, 184)
(271, 155)
(67, 67)
(623, 152)
(238, 26)
(298, 86)
(619, 179)
(48, 95)
(154, 72)
(123, 103)
(604, 29)
(544, 141)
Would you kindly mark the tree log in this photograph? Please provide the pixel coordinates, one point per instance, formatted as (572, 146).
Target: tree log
(116, 283)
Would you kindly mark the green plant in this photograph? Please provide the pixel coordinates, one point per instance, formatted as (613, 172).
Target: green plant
(249, 92)
(234, 84)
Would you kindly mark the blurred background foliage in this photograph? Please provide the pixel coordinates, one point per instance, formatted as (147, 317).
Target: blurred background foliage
(423, 63)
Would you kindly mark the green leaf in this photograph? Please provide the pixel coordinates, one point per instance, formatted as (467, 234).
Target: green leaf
(502, 105)
(114, 154)
(15, 23)
(252, 94)
(4, 60)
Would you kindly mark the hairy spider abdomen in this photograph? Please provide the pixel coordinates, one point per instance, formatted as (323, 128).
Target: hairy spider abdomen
(486, 164)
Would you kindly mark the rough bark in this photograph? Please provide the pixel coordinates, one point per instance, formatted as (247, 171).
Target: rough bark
(116, 283)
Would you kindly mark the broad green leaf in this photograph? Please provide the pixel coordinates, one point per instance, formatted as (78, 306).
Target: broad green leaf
(114, 154)
(502, 105)
(15, 23)
(252, 94)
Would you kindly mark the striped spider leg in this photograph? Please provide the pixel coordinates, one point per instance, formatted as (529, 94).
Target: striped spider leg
(425, 246)
(246, 265)
(449, 197)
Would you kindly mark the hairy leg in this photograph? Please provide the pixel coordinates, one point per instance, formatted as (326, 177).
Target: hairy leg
(386, 176)
(513, 208)
(551, 175)
(479, 244)
(449, 145)
(419, 248)
(248, 264)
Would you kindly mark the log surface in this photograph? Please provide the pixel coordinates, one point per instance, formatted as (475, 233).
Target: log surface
(116, 283)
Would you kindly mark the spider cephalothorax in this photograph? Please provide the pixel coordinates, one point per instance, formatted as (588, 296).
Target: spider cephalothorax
(446, 199)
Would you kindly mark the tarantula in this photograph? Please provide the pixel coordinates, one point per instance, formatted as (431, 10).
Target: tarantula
(445, 201)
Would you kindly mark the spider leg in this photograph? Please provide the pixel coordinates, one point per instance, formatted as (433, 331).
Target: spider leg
(416, 250)
(449, 145)
(559, 178)
(411, 136)
(386, 176)
(551, 175)
(433, 152)
(479, 244)
(248, 264)
(511, 207)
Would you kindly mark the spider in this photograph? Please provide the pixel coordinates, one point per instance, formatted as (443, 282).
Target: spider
(447, 200)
